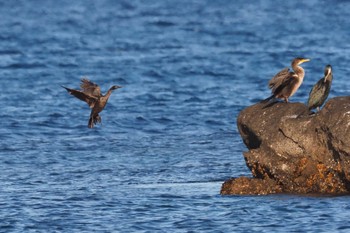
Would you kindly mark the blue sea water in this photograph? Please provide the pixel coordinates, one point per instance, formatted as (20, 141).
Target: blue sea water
(168, 138)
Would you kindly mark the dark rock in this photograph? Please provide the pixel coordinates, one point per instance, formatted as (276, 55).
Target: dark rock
(291, 151)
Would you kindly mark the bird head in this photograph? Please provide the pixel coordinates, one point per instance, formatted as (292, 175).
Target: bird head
(327, 72)
(301, 60)
(115, 87)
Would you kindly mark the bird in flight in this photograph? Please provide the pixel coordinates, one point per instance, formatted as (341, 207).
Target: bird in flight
(91, 94)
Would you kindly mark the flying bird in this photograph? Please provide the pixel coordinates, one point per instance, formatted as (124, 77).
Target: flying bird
(286, 82)
(320, 90)
(91, 94)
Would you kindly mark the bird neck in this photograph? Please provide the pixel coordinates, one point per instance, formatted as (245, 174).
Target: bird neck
(108, 94)
(328, 78)
(299, 71)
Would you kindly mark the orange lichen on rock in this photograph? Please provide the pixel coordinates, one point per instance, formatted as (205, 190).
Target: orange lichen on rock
(250, 186)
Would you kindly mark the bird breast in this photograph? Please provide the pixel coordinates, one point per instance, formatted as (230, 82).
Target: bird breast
(296, 85)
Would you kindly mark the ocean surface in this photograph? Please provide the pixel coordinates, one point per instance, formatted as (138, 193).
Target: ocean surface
(168, 138)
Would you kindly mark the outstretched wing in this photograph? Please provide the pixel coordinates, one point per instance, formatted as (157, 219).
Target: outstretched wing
(278, 78)
(90, 88)
(90, 100)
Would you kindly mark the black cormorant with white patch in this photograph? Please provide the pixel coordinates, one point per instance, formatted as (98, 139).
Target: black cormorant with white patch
(320, 90)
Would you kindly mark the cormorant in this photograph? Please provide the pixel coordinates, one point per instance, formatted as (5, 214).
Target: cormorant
(320, 90)
(91, 94)
(285, 83)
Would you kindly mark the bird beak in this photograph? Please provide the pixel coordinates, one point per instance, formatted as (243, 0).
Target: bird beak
(304, 60)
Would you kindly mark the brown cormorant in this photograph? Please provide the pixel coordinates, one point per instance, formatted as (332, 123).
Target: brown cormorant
(320, 90)
(285, 83)
(91, 94)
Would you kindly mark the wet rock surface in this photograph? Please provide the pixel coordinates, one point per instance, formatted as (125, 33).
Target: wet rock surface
(294, 151)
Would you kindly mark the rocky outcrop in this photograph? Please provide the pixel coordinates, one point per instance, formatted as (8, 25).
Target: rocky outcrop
(293, 151)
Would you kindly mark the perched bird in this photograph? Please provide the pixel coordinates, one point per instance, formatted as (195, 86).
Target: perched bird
(285, 83)
(320, 90)
(91, 94)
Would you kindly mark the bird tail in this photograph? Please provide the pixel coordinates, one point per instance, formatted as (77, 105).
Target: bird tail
(94, 120)
(268, 99)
